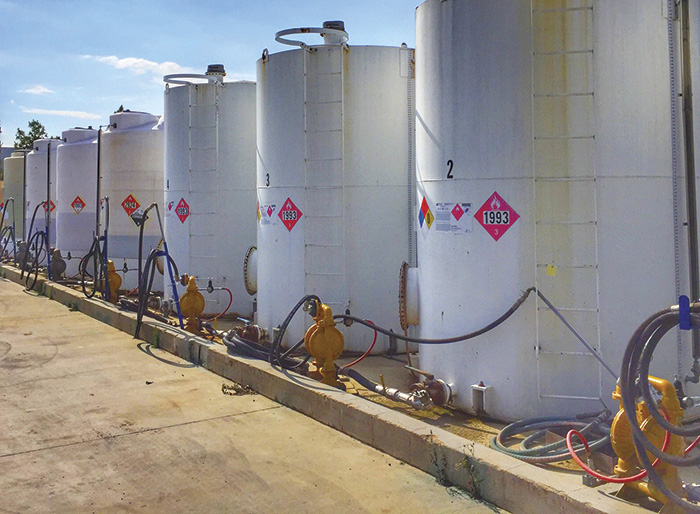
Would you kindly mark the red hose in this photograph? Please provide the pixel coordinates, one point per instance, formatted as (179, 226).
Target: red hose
(616, 480)
(360, 359)
(605, 478)
(230, 301)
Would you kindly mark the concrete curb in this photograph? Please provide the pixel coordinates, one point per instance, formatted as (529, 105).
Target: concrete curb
(485, 473)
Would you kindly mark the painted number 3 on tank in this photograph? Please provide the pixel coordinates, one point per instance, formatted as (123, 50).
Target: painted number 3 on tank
(496, 216)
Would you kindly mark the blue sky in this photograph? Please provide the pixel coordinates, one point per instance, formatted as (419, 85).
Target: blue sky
(74, 62)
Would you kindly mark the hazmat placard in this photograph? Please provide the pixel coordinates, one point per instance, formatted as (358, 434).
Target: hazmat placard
(425, 215)
(454, 218)
(182, 211)
(290, 214)
(496, 216)
(266, 213)
(78, 204)
(130, 205)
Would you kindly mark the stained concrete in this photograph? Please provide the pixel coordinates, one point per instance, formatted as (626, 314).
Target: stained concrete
(93, 420)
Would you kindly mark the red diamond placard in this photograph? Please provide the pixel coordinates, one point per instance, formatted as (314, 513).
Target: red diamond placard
(130, 204)
(496, 216)
(457, 212)
(53, 206)
(182, 210)
(289, 214)
(78, 204)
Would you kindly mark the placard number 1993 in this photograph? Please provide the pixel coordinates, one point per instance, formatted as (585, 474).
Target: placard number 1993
(496, 217)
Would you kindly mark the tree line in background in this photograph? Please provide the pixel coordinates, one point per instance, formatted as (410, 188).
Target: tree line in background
(25, 140)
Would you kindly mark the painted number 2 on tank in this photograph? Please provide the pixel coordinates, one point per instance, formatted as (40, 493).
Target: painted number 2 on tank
(496, 216)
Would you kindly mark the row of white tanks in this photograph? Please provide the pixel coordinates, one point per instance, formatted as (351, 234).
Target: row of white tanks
(543, 151)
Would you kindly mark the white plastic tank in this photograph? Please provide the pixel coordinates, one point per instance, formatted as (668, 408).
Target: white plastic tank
(14, 188)
(210, 182)
(335, 177)
(38, 189)
(76, 189)
(543, 159)
(131, 170)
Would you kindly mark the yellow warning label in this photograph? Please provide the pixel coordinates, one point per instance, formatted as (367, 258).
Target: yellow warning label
(259, 215)
(551, 270)
(429, 218)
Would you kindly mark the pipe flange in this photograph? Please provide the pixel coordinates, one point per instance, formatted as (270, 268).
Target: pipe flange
(403, 278)
(251, 283)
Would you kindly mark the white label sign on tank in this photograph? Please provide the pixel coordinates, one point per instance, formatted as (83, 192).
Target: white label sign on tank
(454, 218)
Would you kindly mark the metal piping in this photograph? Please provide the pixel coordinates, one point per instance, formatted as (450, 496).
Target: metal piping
(24, 197)
(691, 194)
(47, 208)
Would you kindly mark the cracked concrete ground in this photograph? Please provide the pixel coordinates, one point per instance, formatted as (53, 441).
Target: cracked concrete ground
(92, 420)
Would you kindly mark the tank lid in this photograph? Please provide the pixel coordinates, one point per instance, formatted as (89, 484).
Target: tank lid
(338, 36)
(78, 134)
(126, 119)
(40, 145)
(18, 153)
(334, 24)
(216, 69)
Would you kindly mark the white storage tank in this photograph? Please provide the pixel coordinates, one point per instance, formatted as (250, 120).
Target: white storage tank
(543, 159)
(76, 190)
(14, 188)
(210, 182)
(131, 170)
(38, 189)
(334, 176)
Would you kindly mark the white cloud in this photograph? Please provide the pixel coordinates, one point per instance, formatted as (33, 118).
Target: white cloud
(140, 66)
(70, 114)
(12, 102)
(36, 90)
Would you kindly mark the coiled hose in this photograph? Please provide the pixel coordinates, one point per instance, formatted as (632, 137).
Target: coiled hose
(146, 285)
(557, 451)
(274, 355)
(242, 346)
(634, 380)
(38, 241)
(98, 270)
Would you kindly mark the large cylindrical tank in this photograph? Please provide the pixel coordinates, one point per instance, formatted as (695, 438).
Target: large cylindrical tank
(131, 170)
(334, 177)
(76, 189)
(543, 159)
(14, 188)
(210, 182)
(40, 186)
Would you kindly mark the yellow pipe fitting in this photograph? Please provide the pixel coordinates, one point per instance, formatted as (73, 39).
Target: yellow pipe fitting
(192, 305)
(325, 344)
(114, 282)
(623, 442)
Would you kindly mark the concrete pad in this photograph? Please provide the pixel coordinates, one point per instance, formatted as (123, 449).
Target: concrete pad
(94, 420)
(451, 459)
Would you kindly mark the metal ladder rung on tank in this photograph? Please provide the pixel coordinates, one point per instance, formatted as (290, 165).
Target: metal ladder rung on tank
(201, 137)
(324, 250)
(565, 188)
